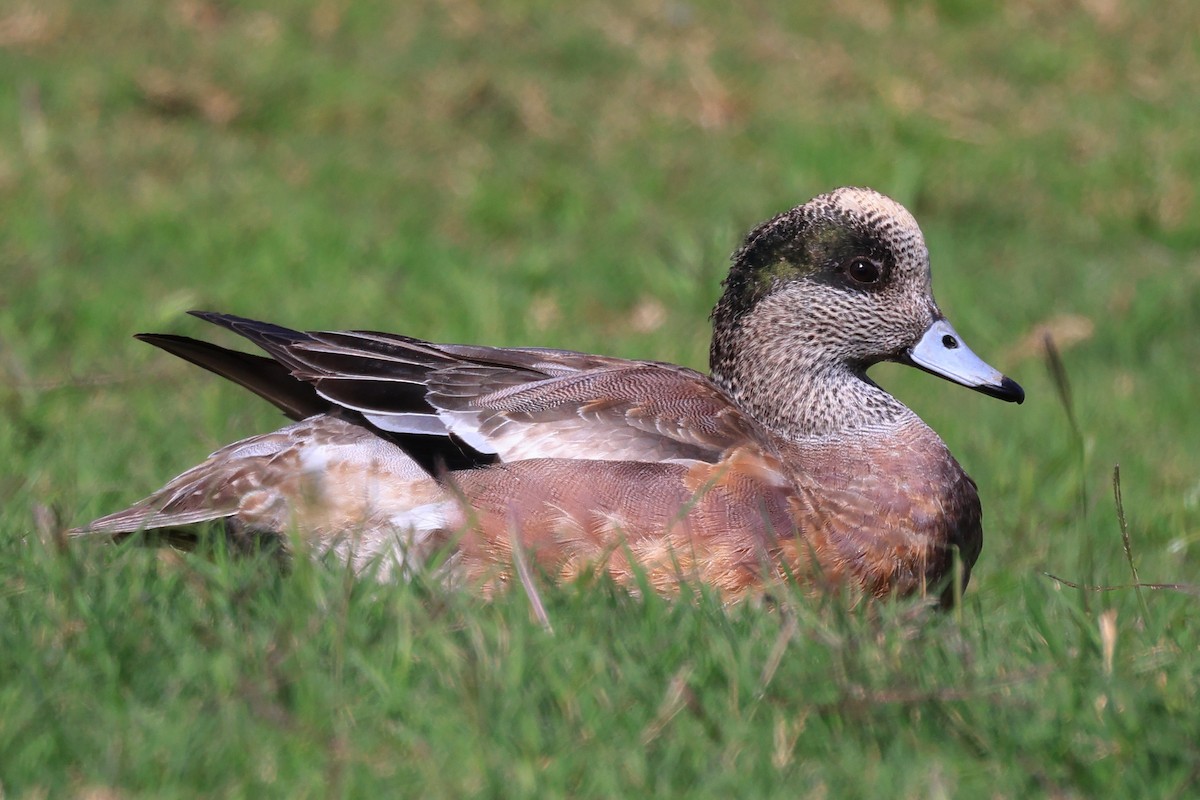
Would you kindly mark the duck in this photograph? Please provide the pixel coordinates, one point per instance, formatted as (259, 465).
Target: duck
(785, 463)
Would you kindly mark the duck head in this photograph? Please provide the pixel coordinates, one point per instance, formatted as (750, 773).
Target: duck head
(817, 295)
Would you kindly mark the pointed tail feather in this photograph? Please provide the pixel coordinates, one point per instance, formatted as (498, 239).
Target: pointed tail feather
(144, 517)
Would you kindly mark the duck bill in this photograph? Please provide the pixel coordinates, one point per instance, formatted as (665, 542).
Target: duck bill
(940, 351)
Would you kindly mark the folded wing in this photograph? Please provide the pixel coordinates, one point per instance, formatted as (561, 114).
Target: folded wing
(508, 403)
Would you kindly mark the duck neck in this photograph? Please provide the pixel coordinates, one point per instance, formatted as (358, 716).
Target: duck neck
(800, 396)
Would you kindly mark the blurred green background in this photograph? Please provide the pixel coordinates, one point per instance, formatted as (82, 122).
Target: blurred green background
(576, 176)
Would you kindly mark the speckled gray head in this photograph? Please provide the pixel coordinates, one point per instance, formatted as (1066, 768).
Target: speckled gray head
(834, 286)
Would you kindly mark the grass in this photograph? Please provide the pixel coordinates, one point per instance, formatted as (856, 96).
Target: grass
(512, 174)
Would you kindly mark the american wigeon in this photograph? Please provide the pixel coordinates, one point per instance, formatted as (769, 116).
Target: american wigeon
(786, 462)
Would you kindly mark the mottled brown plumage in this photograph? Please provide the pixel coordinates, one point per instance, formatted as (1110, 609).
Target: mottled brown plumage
(788, 462)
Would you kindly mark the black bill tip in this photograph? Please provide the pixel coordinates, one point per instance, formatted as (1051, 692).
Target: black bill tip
(1007, 390)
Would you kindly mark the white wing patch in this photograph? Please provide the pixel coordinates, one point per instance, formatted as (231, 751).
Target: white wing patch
(409, 422)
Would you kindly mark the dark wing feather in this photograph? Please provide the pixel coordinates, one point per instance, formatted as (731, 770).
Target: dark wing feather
(265, 377)
(273, 380)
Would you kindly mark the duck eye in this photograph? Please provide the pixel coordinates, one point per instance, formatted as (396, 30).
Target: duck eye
(864, 271)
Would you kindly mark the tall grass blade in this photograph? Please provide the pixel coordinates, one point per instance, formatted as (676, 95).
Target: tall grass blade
(1125, 544)
(1062, 388)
